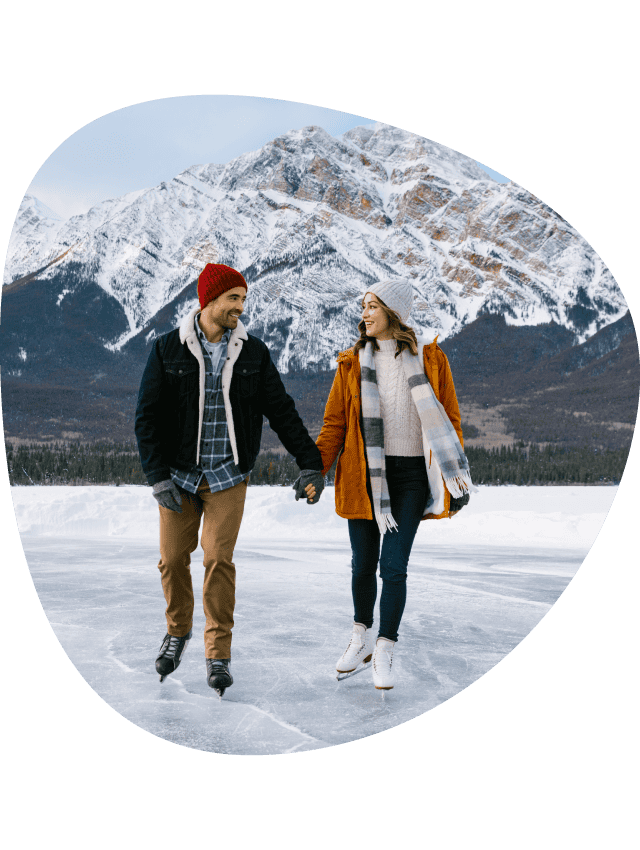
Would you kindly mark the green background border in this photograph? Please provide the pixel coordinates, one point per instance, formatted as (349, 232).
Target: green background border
(537, 752)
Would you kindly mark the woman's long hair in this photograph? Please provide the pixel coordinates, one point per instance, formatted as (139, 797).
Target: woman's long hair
(404, 335)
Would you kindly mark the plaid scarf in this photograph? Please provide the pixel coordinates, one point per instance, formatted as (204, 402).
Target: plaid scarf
(437, 430)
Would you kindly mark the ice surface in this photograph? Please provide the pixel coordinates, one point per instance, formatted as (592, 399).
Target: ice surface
(477, 586)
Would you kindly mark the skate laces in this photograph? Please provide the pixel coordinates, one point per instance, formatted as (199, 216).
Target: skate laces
(357, 642)
(379, 652)
(216, 666)
(172, 646)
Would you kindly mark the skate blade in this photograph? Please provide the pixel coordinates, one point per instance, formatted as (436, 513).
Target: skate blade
(350, 673)
(162, 678)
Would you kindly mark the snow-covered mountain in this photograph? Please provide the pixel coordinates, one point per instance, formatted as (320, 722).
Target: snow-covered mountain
(310, 219)
(34, 231)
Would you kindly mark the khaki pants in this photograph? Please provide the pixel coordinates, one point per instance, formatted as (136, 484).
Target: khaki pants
(221, 515)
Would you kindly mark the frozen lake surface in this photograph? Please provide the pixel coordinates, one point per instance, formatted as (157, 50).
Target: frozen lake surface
(477, 586)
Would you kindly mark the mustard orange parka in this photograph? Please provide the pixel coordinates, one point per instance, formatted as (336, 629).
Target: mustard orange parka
(341, 433)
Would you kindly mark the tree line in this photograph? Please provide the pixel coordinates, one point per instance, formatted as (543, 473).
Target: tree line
(118, 463)
(115, 463)
(528, 463)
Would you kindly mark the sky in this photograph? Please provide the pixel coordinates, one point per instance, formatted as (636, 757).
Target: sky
(140, 146)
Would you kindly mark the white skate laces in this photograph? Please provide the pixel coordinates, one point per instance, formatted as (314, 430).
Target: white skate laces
(358, 651)
(383, 675)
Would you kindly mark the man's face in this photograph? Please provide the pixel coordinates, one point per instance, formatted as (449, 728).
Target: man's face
(225, 310)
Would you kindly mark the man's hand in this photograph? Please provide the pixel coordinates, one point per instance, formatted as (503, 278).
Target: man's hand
(167, 495)
(309, 483)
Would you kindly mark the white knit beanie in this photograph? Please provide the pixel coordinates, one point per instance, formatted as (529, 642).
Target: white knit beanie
(397, 295)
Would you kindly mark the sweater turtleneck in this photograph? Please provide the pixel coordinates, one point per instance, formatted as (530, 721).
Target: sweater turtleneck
(402, 429)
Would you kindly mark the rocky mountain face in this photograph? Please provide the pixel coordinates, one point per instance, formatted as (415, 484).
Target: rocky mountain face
(538, 334)
(34, 230)
(513, 383)
(532, 384)
(309, 220)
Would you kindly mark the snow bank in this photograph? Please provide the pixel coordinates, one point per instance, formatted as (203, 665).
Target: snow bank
(565, 517)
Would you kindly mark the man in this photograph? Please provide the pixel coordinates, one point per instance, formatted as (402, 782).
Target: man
(203, 395)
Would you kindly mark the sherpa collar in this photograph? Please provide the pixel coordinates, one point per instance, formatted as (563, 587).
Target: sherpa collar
(188, 327)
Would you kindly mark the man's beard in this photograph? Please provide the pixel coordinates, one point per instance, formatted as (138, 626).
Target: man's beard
(230, 320)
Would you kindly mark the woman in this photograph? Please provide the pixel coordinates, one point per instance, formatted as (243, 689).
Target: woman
(392, 418)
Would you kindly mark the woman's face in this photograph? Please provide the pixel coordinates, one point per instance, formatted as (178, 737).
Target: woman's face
(375, 319)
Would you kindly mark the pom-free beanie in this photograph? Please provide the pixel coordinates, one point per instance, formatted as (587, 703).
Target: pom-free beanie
(215, 279)
(396, 294)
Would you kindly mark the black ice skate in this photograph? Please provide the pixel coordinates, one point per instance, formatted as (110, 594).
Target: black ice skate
(218, 675)
(171, 653)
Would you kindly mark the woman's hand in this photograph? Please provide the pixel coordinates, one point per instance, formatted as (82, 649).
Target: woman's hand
(309, 484)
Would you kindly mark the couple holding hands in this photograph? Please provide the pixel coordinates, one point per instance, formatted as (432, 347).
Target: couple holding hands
(391, 419)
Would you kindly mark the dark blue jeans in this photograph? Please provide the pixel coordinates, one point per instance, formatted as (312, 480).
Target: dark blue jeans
(408, 490)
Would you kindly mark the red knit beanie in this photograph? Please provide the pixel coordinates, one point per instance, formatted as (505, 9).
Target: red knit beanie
(215, 279)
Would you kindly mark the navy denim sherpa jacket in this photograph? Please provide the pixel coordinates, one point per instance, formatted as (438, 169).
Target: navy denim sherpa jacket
(168, 411)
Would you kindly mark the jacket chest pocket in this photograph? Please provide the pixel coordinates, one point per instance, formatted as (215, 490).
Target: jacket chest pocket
(246, 379)
(182, 377)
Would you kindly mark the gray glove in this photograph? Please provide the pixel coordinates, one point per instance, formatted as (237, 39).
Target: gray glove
(306, 477)
(457, 504)
(167, 494)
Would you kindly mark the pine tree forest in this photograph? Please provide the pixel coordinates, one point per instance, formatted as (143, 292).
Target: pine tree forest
(118, 463)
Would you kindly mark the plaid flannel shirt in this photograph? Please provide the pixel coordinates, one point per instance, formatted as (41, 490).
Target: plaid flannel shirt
(216, 455)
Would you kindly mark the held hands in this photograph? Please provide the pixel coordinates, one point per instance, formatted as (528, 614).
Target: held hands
(309, 483)
(167, 495)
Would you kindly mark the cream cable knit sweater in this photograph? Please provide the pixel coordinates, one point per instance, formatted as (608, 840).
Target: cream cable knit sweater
(402, 429)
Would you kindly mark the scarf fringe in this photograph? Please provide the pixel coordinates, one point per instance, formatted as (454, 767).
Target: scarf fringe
(436, 427)
(460, 484)
(386, 522)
